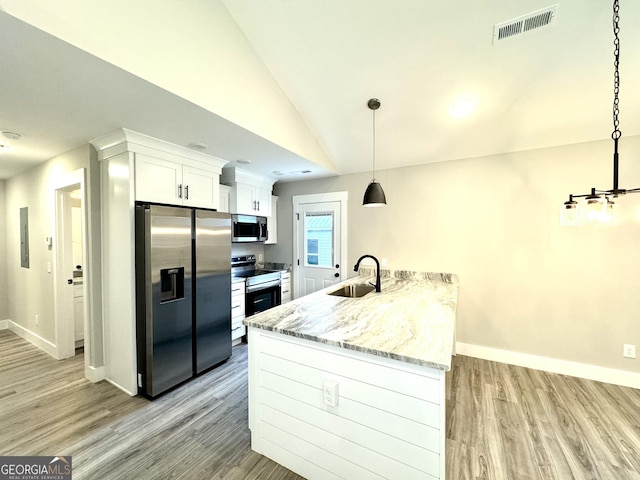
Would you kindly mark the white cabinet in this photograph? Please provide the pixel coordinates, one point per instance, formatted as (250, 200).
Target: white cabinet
(238, 330)
(250, 192)
(272, 222)
(176, 182)
(225, 194)
(285, 287)
(132, 167)
(346, 413)
(251, 200)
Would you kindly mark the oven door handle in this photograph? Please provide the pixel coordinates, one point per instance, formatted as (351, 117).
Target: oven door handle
(263, 286)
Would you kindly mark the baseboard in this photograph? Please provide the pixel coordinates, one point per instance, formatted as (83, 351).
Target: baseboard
(94, 374)
(553, 365)
(120, 387)
(4, 324)
(33, 338)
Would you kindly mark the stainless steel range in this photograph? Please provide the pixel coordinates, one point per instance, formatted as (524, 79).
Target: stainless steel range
(262, 286)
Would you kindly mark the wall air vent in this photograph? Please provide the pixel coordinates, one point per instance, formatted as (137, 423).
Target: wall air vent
(525, 23)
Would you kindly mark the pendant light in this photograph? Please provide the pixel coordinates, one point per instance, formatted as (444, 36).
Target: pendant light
(598, 206)
(374, 195)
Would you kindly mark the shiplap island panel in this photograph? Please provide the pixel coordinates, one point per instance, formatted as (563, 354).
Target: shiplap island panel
(343, 388)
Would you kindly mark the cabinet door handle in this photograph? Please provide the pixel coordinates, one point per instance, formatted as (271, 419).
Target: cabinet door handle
(186, 192)
(258, 205)
(180, 190)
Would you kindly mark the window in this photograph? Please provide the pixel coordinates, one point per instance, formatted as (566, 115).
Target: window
(318, 232)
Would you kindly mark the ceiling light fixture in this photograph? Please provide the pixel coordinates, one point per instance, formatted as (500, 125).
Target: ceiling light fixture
(198, 146)
(462, 107)
(374, 195)
(12, 135)
(598, 206)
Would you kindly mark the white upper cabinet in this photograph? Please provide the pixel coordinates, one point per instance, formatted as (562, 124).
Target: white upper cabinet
(165, 172)
(200, 187)
(176, 182)
(272, 222)
(225, 194)
(250, 192)
(157, 180)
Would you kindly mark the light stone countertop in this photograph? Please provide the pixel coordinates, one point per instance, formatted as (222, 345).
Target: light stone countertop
(412, 319)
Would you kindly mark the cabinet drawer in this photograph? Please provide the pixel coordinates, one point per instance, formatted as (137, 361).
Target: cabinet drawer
(237, 288)
(237, 306)
(238, 332)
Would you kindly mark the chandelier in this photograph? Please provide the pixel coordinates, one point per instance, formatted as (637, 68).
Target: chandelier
(597, 206)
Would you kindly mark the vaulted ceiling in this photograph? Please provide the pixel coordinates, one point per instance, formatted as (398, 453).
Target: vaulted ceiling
(321, 62)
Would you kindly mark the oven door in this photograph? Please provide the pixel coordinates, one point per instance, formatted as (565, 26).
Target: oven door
(262, 297)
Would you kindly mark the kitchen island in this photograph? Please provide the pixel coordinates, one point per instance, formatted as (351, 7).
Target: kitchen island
(354, 387)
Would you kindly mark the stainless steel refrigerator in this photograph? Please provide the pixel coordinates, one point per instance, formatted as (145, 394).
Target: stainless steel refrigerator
(183, 298)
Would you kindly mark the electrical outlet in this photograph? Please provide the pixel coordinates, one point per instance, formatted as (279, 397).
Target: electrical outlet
(330, 393)
(260, 257)
(629, 351)
(383, 262)
(37, 319)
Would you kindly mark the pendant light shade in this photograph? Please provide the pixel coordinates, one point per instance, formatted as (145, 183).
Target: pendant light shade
(374, 195)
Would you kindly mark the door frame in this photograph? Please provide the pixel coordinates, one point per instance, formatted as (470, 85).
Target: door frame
(343, 199)
(63, 303)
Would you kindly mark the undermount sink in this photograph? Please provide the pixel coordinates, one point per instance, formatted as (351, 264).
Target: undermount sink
(354, 290)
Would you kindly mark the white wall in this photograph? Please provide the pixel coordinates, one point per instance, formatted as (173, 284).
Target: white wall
(526, 284)
(4, 308)
(160, 40)
(30, 290)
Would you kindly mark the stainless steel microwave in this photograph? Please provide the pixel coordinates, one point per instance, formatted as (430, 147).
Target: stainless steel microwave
(248, 228)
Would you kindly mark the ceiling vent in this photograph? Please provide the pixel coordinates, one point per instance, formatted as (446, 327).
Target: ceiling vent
(525, 23)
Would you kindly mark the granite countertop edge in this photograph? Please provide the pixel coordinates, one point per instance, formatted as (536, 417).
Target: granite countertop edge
(342, 316)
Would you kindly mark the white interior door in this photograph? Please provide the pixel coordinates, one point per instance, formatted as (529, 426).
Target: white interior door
(319, 252)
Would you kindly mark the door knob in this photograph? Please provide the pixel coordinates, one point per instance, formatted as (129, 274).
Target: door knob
(70, 281)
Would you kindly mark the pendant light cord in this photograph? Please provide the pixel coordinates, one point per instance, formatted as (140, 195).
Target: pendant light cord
(373, 173)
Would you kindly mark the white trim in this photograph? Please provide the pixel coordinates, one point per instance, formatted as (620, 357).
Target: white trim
(33, 338)
(297, 200)
(582, 370)
(120, 387)
(125, 140)
(63, 302)
(4, 324)
(94, 374)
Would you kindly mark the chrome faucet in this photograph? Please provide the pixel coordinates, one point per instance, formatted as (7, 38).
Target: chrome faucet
(357, 265)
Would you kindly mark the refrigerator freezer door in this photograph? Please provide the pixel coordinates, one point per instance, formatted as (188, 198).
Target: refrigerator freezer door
(165, 322)
(213, 288)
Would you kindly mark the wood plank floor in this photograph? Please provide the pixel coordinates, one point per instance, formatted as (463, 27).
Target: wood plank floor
(198, 431)
(503, 422)
(507, 422)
